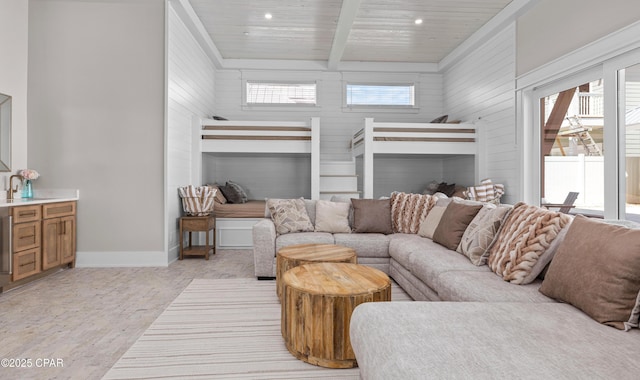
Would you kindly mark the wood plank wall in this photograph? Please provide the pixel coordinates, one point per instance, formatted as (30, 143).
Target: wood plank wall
(336, 123)
(191, 92)
(482, 85)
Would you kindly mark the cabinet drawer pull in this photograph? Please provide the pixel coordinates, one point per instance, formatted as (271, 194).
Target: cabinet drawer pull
(27, 264)
(28, 213)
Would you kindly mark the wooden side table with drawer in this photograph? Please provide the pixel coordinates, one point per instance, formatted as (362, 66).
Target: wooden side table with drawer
(197, 224)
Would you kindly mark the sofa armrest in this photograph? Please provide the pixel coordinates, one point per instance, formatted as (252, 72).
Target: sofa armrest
(264, 247)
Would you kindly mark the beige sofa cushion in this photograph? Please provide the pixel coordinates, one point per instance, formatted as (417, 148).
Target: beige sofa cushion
(526, 242)
(597, 269)
(332, 217)
(430, 223)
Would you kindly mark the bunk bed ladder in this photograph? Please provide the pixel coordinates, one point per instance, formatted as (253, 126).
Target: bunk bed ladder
(338, 178)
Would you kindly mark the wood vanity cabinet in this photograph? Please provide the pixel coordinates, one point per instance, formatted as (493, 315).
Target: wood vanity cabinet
(58, 234)
(44, 237)
(26, 236)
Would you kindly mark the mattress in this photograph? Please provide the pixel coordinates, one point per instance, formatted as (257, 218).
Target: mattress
(251, 209)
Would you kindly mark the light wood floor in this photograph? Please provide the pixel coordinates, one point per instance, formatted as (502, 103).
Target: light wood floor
(89, 317)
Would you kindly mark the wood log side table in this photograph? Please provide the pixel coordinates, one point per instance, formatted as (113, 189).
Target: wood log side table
(300, 254)
(197, 224)
(317, 303)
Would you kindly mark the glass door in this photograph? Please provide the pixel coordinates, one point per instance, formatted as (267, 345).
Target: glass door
(572, 149)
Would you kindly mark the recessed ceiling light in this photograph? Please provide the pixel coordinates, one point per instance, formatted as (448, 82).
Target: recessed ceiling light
(418, 21)
(246, 33)
(268, 16)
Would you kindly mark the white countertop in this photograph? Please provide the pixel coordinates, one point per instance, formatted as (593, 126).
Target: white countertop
(43, 196)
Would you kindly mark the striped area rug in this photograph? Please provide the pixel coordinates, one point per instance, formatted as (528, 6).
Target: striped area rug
(222, 329)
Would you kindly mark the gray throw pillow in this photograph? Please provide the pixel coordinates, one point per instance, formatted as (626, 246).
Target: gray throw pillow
(234, 193)
(372, 215)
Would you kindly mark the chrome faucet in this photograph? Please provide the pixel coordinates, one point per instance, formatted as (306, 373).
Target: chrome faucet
(11, 188)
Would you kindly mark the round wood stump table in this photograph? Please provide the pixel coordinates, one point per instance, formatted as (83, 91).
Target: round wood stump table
(317, 302)
(300, 254)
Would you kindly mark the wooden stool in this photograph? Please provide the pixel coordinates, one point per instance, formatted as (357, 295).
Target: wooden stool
(197, 224)
(317, 302)
(295, 255)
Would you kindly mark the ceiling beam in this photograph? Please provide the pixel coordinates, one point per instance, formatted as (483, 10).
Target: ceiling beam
(345, 22)
(185, 11)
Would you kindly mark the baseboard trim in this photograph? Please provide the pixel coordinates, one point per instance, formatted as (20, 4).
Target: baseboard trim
(122, 259)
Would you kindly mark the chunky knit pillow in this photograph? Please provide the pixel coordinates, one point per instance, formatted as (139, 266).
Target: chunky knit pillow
(409, 210)
(526, 242)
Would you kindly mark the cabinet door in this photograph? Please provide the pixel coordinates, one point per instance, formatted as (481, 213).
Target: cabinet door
(51, 228)
(67, 239)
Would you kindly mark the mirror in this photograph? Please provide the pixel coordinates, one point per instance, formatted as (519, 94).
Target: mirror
(5, 133)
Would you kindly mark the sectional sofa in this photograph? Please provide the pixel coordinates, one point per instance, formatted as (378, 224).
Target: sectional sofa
(491, 320)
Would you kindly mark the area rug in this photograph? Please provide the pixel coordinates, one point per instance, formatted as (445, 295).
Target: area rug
(221, 329)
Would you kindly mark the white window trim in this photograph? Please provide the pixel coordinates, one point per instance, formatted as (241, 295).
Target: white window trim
(280, 106)
(604, 57)
(380, 108)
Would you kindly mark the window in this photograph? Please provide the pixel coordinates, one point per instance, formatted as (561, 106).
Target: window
(281, 93)
(572, 147)
(398, 95)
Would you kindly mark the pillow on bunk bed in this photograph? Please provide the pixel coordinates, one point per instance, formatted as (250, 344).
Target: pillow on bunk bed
(446, 189)
(289, 215)
(234, 192)
(440, 119)
(219, 196)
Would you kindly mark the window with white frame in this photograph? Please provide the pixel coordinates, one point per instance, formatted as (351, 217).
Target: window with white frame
(381, 95)
(265, 93)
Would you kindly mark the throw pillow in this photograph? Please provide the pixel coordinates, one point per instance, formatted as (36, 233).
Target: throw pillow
(597, 269)
(480, 233)
(409, 210)
(332, 217)
(429, 224)
(372, 215)
(440, 119)
(219, 196)
(234, 192)
(454, 222)
(526, 242)
(289, 215)
(446, 189)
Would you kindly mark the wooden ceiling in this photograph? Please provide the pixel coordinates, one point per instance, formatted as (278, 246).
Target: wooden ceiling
(342, 30)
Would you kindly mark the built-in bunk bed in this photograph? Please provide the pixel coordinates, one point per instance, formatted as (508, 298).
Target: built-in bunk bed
(228, 144)
(441, 141)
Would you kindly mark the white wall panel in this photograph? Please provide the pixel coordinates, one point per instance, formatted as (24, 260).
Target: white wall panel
(554, 28)
(191, 92)
(96, 106)
(482, 87)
